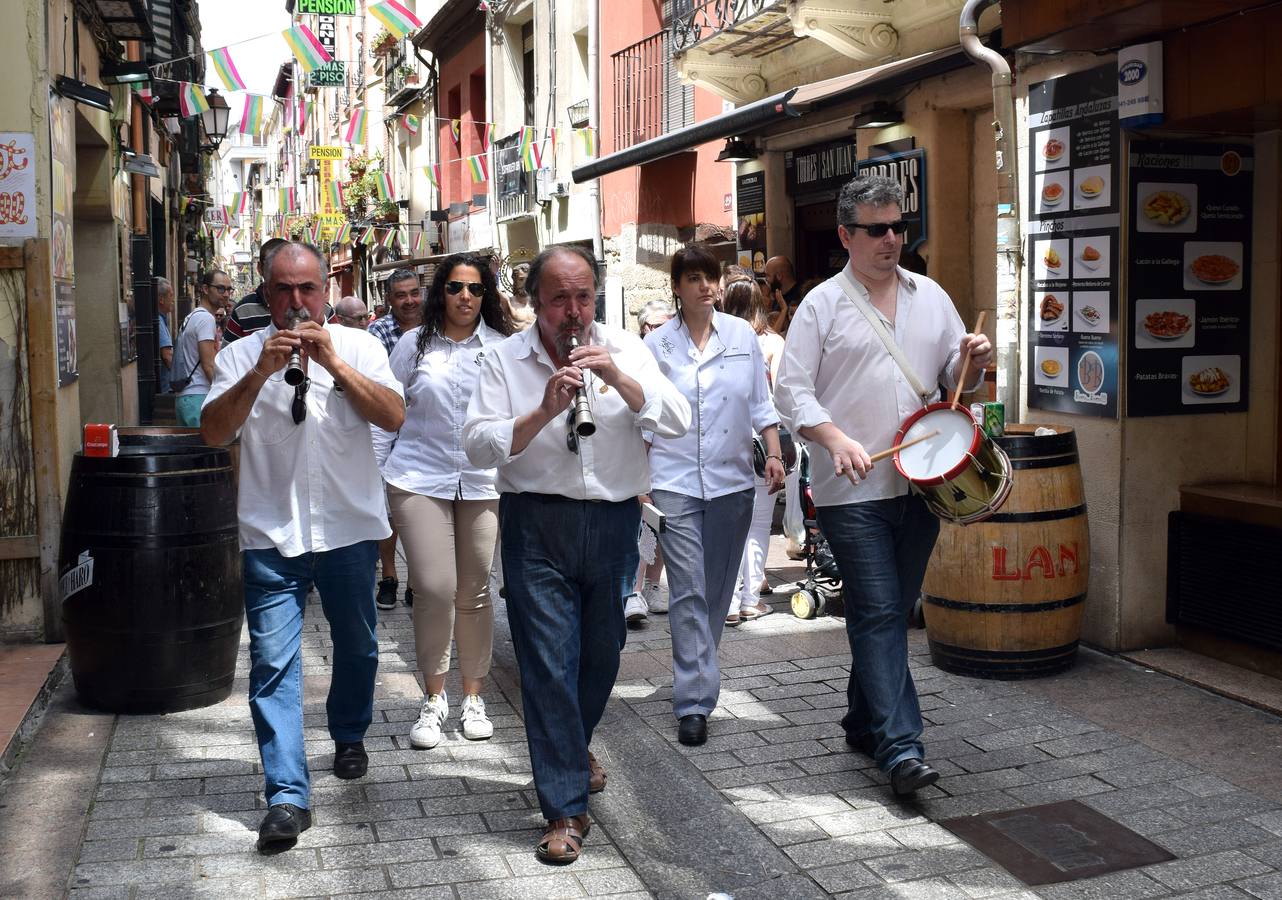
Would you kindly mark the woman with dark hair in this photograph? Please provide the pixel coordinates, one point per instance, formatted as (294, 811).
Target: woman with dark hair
(703, 481)
(743, 298)
(444, 508)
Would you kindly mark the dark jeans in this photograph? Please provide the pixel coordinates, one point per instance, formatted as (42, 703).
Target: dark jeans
(882, 548)
(567, 565)
(275, 596)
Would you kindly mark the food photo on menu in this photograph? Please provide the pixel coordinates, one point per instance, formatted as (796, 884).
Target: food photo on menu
(1213, 266)
(1090, 312)
(1052, 190)
(1166, 208)
(1052, 152)
(1091, 188)
(1053, 259)
(1051, 366)
(1210, 379)
(1165, 324)
(1052, 310)
(1091, 256)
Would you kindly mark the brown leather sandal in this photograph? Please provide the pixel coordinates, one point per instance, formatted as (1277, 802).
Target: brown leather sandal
(562, 840)
(596, 775)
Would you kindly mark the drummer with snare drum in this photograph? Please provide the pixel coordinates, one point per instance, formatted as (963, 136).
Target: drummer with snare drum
(866, 349)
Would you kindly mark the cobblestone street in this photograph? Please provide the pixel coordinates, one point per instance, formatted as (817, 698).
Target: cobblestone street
(774, 805)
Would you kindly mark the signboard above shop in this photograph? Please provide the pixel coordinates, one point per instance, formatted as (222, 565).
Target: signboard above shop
(820, 169)
(325, 7)
(334, 73)
(909, 169)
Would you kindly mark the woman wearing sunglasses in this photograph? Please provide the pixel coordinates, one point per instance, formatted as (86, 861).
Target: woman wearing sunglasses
(703, 481)
(444, 508)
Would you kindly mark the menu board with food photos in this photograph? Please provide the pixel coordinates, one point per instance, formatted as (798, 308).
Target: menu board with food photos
(1073, 243)
(1190, 278)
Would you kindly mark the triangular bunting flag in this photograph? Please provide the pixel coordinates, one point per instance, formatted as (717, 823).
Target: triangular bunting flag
(410, 123)
(383, 185)
(479, 168)
(307, 49)
(456, 129)
(251, 119)
(191, 99)
(434, 175)
(395, 18)
(226, 69)
(356, 126)
(487, 135)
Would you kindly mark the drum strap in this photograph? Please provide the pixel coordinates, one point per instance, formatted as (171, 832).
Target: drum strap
(857, 297)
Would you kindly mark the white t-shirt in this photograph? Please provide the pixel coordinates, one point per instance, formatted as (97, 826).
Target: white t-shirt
(198, 326)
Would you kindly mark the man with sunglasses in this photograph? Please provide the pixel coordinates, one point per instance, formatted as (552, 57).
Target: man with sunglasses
(311, 512)
(405, 311)
(197, 345)
(841, 389)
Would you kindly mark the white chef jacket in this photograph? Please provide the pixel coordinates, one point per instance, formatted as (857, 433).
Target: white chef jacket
(725, 385)
(611, 464)
(313, 486)
(427, 456)
(836, 369)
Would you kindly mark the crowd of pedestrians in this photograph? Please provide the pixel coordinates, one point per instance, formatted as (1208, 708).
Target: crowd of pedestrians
(514, 435)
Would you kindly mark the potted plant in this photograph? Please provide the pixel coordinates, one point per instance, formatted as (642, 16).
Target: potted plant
(383, 43)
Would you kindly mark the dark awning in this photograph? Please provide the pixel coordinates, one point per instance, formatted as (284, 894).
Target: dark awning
(789, 104)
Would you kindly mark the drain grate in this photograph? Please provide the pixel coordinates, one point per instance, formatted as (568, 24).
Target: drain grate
(1056, 842)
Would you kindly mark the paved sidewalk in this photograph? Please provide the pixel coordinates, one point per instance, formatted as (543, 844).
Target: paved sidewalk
(773, 806)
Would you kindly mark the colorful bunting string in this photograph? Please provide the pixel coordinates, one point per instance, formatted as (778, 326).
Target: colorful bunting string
(587, 137)
(383, 185)
(487, 135)
(395, 18)
(344, 233)
(226, 69)
(433, 173)
(307, 49)
(410, 123)
(419, 243)
(288, 200)
(335, 190)
(144, 92)
(456, 129)
(388, 241)
(479, 168)
(369, 238)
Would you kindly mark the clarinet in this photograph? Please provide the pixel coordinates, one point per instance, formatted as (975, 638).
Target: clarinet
(294, 374)
(581, 418)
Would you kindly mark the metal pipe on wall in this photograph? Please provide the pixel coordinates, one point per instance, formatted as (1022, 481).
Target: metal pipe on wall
(1009, 250)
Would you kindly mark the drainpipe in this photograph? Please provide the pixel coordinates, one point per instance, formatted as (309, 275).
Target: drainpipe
(594, 119)
(1009, 256)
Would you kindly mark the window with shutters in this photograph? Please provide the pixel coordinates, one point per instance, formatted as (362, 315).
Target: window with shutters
(649, 98)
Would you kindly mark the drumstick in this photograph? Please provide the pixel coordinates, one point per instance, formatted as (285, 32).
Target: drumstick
(917, 440)
(979, 325)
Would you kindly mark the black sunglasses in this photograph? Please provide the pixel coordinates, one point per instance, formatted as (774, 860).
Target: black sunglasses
(879, 229)
(475, 288)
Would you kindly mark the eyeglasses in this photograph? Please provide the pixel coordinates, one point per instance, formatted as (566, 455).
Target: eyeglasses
(879, 229)
(475, 288)
(221, 288)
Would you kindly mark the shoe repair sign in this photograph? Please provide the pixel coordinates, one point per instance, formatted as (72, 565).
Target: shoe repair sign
(78, 577)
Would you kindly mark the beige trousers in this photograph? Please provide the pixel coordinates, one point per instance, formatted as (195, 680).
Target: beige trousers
(449, 546)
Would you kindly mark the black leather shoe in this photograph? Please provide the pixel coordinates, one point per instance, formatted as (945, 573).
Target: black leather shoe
(910, 776)
(692, 730)
(281, 827)
(350, 760)
(864, 743)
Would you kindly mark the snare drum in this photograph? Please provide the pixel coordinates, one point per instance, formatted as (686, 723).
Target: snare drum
(961, 474)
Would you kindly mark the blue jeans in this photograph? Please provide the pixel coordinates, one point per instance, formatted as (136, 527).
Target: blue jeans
(882, 548)
(275, 595)
(702, 547)
(567, 565)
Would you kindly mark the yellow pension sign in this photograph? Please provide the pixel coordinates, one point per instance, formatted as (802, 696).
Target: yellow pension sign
(325, 152)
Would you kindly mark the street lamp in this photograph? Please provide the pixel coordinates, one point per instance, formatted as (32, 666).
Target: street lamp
(214, 119)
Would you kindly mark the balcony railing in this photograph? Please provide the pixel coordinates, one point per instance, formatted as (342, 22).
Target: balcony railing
(649, 98)
(714, 17)
(515, 186)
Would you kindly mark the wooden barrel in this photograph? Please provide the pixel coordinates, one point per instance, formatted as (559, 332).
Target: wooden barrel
(1003, 597)
(174, 435)
(150, 577)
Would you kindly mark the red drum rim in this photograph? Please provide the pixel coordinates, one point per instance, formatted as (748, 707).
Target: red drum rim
(962, 464)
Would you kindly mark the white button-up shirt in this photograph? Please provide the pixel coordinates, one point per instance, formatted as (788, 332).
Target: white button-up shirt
(313, 486)
(725, 385)
(427, 457)
(611, 464)
(836, 369)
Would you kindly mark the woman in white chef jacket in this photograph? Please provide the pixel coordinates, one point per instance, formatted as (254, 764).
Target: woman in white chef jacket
(703, 481)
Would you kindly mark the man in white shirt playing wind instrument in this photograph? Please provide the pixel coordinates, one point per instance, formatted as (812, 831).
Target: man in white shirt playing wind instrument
(312, 511)
(568, 516)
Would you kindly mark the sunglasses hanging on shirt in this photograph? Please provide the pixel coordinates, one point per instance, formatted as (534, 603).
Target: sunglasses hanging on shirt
(298, 408)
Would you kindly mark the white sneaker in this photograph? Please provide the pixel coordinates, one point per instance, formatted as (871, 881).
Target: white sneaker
(476, 724)
(426, 732)
(656, 597)
(634, 609)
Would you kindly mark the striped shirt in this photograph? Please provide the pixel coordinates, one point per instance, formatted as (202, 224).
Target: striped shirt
(387, 330)
(251, 314)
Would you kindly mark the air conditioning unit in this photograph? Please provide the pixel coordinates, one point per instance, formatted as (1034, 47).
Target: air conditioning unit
(546, 188)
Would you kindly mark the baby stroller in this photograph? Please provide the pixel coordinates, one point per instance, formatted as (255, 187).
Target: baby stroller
(821, 592)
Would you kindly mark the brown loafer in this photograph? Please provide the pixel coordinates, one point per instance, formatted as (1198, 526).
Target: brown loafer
(562, 840)
(596, 775)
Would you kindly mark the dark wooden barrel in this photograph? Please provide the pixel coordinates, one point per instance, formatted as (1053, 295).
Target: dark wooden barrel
(1003, 598)
(150, 577)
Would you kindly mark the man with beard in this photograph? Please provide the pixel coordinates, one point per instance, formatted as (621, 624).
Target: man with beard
(568, 516)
